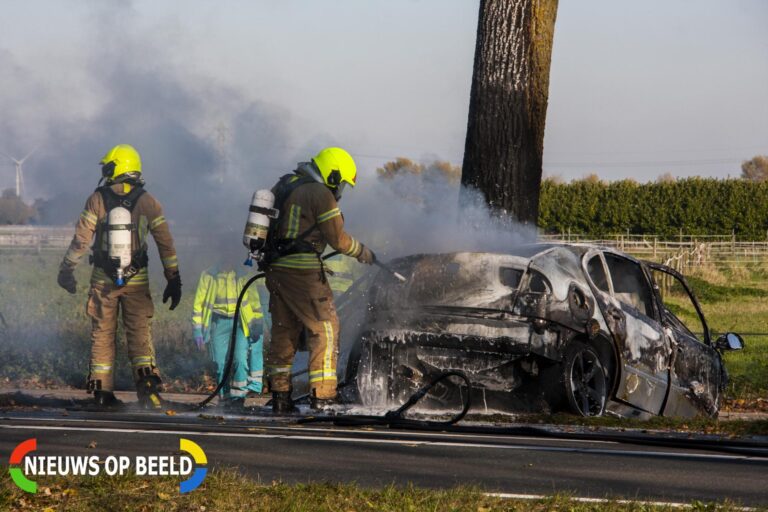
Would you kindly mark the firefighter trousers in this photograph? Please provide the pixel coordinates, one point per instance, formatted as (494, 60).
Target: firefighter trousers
(135, 305)
(300, 300)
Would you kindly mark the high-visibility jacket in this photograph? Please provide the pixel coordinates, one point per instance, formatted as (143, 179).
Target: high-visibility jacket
(344, 273)
(217, 292)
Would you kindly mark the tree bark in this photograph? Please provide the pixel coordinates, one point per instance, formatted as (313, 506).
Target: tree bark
(508, 105)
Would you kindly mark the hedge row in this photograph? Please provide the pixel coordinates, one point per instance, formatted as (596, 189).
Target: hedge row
(695, 206)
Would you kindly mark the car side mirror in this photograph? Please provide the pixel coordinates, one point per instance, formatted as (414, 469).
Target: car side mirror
(729, 341)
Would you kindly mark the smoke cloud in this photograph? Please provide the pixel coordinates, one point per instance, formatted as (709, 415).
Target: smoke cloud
(414, 213)
(205, 148)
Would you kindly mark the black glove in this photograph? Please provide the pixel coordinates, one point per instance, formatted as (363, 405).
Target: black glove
(366, 256)
(67, 280)
(256, 330)
(173, 292)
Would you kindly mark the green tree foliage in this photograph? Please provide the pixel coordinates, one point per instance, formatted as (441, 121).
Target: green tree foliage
(755, 169)
(13, 210)
(697, 206)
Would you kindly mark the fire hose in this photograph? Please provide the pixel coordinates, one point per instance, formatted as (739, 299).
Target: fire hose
(235, 325)
(395, 419)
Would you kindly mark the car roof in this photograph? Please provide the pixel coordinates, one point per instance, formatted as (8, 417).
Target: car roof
(532, 250)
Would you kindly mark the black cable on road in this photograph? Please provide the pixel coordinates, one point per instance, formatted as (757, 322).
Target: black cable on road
(395, 419)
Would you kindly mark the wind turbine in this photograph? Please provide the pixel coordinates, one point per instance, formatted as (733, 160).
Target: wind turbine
(19, 171)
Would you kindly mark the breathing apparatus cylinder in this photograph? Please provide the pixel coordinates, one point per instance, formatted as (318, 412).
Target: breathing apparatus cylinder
(119, 241)
(260, 215)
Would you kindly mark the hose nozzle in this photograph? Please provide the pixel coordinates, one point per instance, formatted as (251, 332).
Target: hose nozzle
(400, 277)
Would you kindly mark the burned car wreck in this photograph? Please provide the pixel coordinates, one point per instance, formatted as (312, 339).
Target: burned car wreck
(557, 326)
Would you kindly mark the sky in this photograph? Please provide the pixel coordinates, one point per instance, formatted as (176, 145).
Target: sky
(233, 93)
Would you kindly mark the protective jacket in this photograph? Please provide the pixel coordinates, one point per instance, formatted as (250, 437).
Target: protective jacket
(146, 216)
(217, 292)
(308, 205)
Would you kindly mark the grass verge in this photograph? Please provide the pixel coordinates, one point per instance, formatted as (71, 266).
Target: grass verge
(225, 490)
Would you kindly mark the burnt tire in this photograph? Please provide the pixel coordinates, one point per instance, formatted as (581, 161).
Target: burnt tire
(584, 379)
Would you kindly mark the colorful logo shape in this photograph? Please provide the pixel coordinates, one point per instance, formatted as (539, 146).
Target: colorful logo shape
(17, 475)
(198, 455)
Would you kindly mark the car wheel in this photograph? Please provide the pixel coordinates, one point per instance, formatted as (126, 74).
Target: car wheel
(585, 379)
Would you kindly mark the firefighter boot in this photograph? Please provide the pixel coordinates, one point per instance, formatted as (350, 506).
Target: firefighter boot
(148, 392)
(282, 402)
(319, 404)
(106, 399)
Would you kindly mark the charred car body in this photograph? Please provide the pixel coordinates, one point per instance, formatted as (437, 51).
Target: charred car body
(563, 325)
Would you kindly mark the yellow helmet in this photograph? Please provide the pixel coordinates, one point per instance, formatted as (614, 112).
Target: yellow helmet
(120, 160)
(336, 167)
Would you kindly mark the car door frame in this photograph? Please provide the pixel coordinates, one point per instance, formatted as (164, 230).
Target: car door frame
(696, 372)
(638, 384)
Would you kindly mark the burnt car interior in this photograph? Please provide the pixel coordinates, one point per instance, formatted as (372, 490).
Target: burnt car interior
(629, 284)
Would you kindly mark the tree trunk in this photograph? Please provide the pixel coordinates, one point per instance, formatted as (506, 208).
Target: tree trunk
(508, 105)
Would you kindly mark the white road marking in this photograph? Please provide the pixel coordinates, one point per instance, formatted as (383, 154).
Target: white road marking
(679, 455)
(320, 429)
(672, 504)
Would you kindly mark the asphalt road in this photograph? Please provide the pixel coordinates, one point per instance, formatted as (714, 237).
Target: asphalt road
(273, 449)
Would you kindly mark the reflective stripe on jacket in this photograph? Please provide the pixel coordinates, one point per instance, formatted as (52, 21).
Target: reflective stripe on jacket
(217, 292)
(308, 205)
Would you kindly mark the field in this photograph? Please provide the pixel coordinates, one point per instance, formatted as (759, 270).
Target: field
(44, 335)
(735, 300)
(44, 338)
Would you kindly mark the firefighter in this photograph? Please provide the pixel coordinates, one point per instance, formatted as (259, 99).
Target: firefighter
(127, 291)
(300, 296)
(213, 318)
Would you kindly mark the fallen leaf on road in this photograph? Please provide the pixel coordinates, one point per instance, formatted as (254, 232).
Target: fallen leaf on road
(92, 444)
